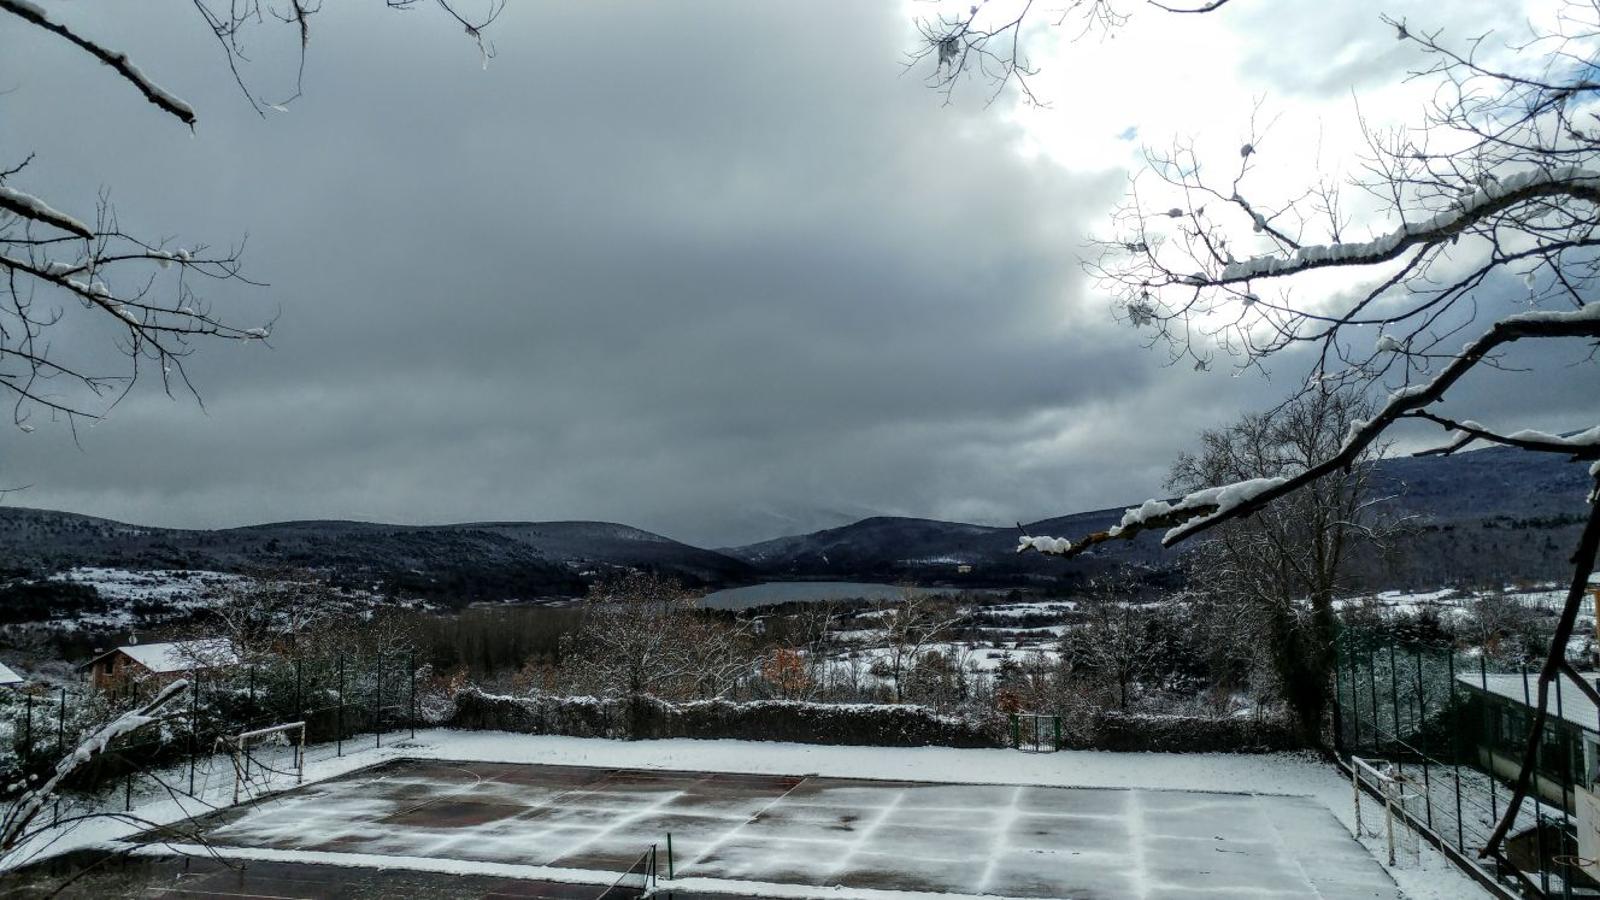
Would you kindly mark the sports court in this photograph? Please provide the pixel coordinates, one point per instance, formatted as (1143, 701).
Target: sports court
(1006, 840)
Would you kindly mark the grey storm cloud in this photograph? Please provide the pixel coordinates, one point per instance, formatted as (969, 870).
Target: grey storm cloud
(722, 271)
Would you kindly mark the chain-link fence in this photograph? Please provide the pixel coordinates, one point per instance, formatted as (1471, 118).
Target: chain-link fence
(195, 755)
(1449, 728)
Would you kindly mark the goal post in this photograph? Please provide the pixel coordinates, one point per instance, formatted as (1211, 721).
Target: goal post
(1395, 791)
(252, 766)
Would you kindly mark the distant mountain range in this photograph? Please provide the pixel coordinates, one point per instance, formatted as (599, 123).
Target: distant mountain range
(1483, 515)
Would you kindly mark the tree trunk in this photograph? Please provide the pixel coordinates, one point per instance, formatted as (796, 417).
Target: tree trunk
(1303, 660)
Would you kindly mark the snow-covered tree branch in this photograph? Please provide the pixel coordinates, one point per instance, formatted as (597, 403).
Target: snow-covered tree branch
(1482, 216)
(18, 822)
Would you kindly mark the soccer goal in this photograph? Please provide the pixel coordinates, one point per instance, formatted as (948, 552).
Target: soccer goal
(1386, 815)
(264, 759)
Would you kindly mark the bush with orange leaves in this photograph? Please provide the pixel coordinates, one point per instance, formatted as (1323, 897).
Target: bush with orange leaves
(785, 671)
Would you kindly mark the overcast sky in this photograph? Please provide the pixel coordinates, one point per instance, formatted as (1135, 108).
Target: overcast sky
(718, 270)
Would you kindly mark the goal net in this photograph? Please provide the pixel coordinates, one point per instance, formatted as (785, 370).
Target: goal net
(266, 759)
(1385, 794)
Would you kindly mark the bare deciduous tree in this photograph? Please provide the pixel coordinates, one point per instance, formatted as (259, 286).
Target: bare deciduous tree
(1283, 567)
(628, 645)
(1119, 640)
(643, 637)
(1493, 190)
(272, 617)
(1498, 624)
(988, 41)
(911, 625)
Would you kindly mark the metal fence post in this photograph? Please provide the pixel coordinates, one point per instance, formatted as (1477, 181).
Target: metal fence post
(1388, 815)
(377, 704)
(1484, 683)
(1422, 716)
(411, 664)
(194, 728)
(338, 745)
(1566, 777)
(1455, 748)
(1538, 837)
(1372, 682)
(1394, 710)
(1355, 789)
(61, 726)
(1338, 690)
(1355, 696)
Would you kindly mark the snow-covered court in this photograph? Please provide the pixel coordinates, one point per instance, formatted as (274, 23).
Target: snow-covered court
(775, 835)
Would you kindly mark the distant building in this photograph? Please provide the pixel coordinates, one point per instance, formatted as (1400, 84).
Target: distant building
(9, 678)
(964, 569)
(1500, 714)
(162, 662)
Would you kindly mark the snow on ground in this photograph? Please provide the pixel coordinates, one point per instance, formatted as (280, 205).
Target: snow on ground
(960, 840)
(968, 658)
(1430, 878)
(173, 592)
(1036, 608)
(1454, 604)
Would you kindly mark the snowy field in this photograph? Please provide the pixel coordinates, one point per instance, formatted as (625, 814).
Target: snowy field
(1286, 836)
(169, 593)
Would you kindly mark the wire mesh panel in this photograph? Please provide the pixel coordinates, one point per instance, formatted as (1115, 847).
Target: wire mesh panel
(1035, 733)
(1447, 725)
(254, 726)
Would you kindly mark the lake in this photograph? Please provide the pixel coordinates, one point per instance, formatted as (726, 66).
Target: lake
(790, 591)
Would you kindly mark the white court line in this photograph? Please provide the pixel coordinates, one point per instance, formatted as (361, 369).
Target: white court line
(779, 890)
(1136, 847)
(666, 800)
(740, 827)
(1007, 818)
(436, 799)
(867, 832)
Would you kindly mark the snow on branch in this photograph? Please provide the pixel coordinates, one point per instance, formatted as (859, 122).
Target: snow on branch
(1492, 196)
(14, 826)
(1206, 508)
(1581, 445)
(1212, 502)
(33, 13)
(31, 207)
(1051, 545)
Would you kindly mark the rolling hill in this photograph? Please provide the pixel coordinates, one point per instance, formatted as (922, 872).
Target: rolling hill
(449, 563)
(1495, 513)
(1479, 516)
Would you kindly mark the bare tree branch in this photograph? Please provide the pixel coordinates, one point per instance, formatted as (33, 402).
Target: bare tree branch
(167, 102)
